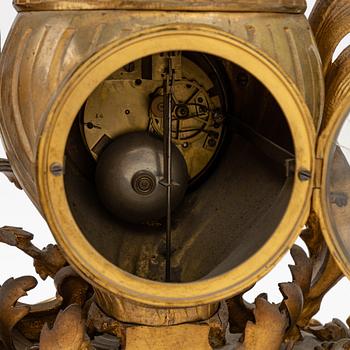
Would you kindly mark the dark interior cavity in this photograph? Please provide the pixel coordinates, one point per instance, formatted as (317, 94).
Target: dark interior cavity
(234, 199)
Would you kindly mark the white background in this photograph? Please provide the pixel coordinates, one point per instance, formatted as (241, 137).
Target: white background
(17, 210)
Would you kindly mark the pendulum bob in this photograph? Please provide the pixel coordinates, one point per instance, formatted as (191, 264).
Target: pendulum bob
(84, 91)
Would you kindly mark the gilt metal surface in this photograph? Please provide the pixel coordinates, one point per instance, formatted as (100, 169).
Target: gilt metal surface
(291, 6)
(153, 292)
(72, 42)
(65, 39)
(57, 52)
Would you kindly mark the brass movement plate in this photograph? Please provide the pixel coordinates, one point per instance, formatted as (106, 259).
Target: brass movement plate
(287, 6)
(126, 103)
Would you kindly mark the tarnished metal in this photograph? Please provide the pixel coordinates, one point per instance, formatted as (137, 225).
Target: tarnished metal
(71, 34)
(80, 59)
(198, 120)
(292, 6)
(249, 194)
(129, 177)
(168, 91)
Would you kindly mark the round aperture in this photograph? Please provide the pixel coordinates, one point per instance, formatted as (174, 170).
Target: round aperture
(196, 142)
(231, 174)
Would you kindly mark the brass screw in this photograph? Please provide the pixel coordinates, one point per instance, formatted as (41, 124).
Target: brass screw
(56, 169)
(304, 175)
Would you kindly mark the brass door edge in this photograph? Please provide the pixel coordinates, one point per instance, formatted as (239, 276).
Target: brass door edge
(318, 208)
(318, 172)
(336, 111)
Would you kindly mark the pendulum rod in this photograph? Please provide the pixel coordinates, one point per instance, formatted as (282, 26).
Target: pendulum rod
(167, 126)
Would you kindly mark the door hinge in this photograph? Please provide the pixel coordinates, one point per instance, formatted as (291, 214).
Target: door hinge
(318, 172)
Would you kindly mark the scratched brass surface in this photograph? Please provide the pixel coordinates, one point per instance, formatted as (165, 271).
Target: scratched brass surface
(291, 6)
(53, 61)
(186, 337)
(125, 311)
(44, 50)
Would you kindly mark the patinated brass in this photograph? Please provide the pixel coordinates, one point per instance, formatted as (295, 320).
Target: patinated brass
(289, 6)
(167, 338)
(307, 75)
(73, 78)
(110, 58)
(337, 110)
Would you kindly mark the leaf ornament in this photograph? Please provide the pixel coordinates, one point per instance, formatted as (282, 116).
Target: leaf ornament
(10, 313)
(67, 333)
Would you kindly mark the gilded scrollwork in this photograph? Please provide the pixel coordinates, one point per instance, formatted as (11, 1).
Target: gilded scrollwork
(86, 316)
(301, 301)
(47, 261)
(11, 312)
(67, 333)
(267, 332)
(74, 318)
